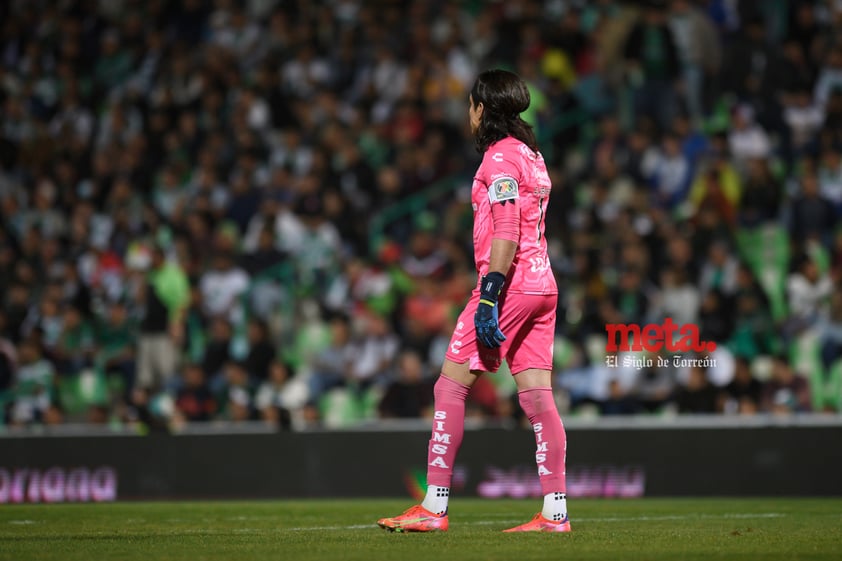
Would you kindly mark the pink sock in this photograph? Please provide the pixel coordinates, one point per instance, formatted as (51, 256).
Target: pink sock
(448, 429)
(551, 454)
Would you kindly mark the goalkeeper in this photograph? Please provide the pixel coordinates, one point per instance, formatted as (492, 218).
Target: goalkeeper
(511, 313)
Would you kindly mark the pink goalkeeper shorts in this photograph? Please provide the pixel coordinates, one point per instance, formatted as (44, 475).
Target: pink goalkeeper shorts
(527, 321)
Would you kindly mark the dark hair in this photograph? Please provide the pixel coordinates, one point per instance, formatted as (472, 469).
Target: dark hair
(504, 96)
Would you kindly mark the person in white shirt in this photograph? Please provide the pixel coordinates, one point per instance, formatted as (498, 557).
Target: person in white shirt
(747, 139)
(222, 286)
(808, 294)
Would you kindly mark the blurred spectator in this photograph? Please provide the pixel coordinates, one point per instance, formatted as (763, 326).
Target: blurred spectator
(749, 55)
(678, 298)
(424, 257)
(655, 386)
(830, 333)
(700, 57)
(808, 290)
(653, 64)
(813, 216)
(742, 394)
(45, 319)
(719, 270)
(629, 299)
(608, 148)
(835, 256)
(830, 177)
(74, 348)
(830, 77)
(806, 30)
(426, 309)
(33, 384)
(378, 286)
(619, 401)
(786, 392)
(217, 351)
(317, 257)
(265, 255)
(410, 394)
(668, 170)
(802, 117)
(375, 353)
(194, 400)
(717, 185)
(165, 295)
(832, 115)
(697, 395)
(332, 366)
(754, 332)
(222, 287)
(280, 395)
(747, 139)
(237, 396)
(761, 197)
(244, 200)
(8, 359)
(716, 318)
(261, 351)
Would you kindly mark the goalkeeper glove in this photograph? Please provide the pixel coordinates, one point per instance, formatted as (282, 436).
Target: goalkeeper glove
(486, 319)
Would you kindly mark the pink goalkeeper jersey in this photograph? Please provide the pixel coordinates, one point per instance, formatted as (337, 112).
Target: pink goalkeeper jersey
(515, 177)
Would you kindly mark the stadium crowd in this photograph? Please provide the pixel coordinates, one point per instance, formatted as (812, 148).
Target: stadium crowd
(241, 210)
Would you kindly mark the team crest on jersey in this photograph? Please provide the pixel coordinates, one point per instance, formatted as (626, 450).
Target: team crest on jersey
(502, 190)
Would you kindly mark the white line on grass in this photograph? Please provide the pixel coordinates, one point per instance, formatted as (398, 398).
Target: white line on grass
(322, 528)
(677, 517)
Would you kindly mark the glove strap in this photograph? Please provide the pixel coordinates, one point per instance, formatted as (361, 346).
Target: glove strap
(490, 288)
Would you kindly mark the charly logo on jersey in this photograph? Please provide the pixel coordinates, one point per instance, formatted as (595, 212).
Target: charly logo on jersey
(497, 157)
(503, 190)
(456, 344)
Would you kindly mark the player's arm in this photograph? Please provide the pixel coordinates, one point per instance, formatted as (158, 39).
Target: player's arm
(502, 254)
(505, 213)
(503, 193)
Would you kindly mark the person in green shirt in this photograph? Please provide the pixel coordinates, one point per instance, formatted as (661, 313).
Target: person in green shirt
(75, 345)
(166, 296)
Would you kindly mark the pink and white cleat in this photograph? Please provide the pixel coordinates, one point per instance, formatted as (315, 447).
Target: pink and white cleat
(415, 519)
(541, 524)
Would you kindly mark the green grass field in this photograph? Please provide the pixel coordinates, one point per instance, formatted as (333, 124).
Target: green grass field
(647, 529)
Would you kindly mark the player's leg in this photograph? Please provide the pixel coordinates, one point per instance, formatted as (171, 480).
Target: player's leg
(536, 398)
(450, 392)
(530, 359)
(464, 362)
